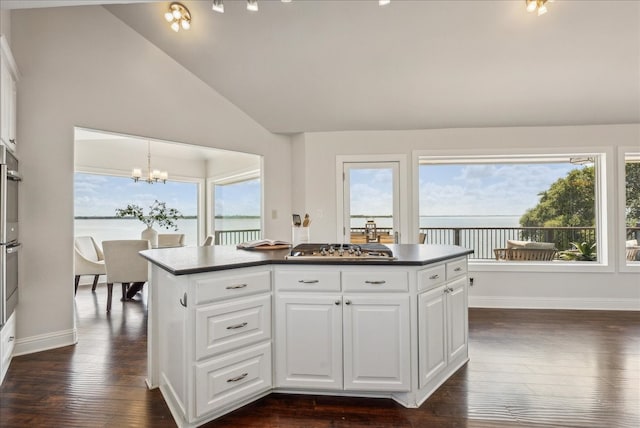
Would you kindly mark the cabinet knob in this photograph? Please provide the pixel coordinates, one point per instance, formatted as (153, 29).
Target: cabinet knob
(347, 302)
(183, 300)
(376, 282)
(337, 302)
(436, 276)
(308, 281)
(458, 269)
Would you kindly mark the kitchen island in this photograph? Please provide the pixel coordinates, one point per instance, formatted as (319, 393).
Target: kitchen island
(229, 326)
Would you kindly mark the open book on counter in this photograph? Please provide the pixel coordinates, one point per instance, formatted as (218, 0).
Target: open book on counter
(263, 244)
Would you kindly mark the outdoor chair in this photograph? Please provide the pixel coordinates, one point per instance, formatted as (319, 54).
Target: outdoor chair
(526, 251)
(209, 241)
(632, 250)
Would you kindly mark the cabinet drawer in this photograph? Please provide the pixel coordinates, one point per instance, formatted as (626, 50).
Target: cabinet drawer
(231, 325)
(231, 378)
(375, 280)
(431, 277)
(219, 287)
(456, 268)
(310, 280)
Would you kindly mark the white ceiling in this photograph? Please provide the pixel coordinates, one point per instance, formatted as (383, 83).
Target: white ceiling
(322, 65)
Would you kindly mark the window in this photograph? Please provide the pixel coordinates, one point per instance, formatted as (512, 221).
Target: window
(632, 207)
(505, 207)
(237, 208)
(97, 196)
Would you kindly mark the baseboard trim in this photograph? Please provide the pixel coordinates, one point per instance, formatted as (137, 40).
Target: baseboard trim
(44, 342)
(604, 304)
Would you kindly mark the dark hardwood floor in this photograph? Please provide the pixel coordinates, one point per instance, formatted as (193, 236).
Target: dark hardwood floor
(532, 368)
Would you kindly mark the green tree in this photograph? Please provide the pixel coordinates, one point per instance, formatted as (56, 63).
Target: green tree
(632, 178)
(570, 201)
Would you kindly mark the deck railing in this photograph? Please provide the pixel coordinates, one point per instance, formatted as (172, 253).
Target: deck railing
(233, 237)
(483, 240)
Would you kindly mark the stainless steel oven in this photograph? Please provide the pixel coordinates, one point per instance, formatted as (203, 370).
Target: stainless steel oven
(9, 233)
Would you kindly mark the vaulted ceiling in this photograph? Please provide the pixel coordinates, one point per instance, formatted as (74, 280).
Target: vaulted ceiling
(322, 65)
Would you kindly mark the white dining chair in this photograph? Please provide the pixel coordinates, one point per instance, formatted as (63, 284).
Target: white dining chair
(168, 240)
(124, 264)
(88, 260)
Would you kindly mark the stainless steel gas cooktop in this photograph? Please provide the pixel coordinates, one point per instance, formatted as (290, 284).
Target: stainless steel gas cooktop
(338, 252)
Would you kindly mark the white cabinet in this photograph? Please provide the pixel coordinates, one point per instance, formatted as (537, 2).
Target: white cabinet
(320, 334)
(377, 342)
(308, 341)
(220, 340)
(8, 96)
(432, 345)
(7, 343)
(214, 340)
(442, 322)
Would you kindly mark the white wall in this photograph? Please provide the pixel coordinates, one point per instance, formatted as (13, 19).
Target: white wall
(81, 66)
(570, 287)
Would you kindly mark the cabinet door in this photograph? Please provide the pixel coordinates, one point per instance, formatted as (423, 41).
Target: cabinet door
(376, 342)
(309, 341)
(6, 95)
(457, 326)
(432, 348)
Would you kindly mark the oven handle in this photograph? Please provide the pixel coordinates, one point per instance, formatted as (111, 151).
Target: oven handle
(14, 248)
(14, 175)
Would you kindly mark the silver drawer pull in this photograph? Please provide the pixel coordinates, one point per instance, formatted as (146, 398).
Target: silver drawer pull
(235, 287)
(238, 378)
(233, 327)
(458, 269)
(436, 276)
(375, 282)
(308, 281)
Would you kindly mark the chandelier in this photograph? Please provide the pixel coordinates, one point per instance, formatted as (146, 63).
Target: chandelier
(153, 175)
(537, 5)
(178, 17)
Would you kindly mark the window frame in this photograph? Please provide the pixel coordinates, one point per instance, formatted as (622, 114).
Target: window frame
(623, 266)
(225, 179)
(604, 162)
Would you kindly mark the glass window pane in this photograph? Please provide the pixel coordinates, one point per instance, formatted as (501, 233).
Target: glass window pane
(237, 208)
(97, 197)
(632, 207)
(371, 204)
(482, 206)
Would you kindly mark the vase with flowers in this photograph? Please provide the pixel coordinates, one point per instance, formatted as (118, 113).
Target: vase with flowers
(158, 214)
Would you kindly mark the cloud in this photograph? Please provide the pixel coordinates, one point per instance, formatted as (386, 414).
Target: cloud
(485, 190)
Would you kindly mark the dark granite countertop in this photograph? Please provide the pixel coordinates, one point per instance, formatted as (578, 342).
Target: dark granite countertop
(189, 260)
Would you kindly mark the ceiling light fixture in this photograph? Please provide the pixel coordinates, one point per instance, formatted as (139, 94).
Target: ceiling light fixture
(383, 2)
(218, 6)
(153, 175)
(252, 5)
(537, 5)
(178, 17)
